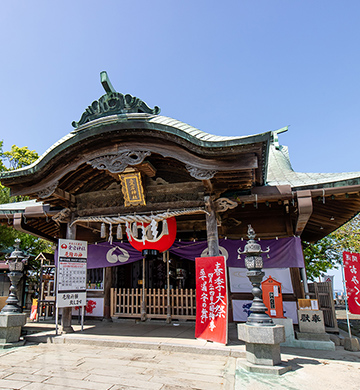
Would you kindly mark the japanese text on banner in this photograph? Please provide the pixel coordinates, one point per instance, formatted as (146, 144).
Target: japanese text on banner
(211, 299)
(213, 292)
(352, 279)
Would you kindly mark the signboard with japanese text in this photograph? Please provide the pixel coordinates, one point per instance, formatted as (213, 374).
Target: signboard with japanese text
(132, 189)
(211, 299)
(71, 299)
(72, 248)
(71, 273)
(352, 279)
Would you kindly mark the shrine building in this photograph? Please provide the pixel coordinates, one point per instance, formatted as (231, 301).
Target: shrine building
(124, 171)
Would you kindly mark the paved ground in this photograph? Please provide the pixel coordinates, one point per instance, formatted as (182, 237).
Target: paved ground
(63, 366)
(158, 356)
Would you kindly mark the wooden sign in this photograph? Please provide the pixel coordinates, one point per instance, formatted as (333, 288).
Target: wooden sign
(211, 299)
(132, 189)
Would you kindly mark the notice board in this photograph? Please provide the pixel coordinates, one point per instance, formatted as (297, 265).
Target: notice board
(71, 273)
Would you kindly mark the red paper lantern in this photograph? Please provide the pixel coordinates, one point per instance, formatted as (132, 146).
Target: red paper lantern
(161, 242)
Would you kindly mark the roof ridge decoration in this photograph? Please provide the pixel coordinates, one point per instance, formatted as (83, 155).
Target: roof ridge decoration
(113, 103)
(275, 137)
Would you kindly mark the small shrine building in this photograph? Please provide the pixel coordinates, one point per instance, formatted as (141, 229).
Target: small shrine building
(124, 162)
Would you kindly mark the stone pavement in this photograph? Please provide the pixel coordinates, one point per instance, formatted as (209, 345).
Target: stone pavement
(62, 366)
(128, 355)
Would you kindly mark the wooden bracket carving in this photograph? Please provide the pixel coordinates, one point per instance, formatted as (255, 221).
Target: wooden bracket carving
(199, 173)
(46, 192)
(63, 216)
(223, 204)
(117, 163)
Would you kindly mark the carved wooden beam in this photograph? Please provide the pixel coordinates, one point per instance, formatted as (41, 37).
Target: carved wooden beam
(133, 153)
(49, 190)
(64, 195)
(140, 209)
(119, 162)
(175, 188)
(208, 185)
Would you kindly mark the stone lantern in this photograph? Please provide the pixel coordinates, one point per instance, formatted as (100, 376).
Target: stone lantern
(262, 337)
(11, 316)
(254, 264)
(16, 261)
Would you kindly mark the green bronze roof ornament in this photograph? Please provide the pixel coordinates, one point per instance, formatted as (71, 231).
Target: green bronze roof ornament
(113, 103)
(105, 81)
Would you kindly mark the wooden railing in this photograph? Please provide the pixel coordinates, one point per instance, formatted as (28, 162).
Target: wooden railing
(126, 303)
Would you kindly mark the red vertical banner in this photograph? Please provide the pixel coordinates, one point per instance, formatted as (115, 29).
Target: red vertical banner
(352, 279)
(211, 299)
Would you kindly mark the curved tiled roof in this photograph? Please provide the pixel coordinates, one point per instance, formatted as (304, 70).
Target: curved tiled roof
(150, 122)
(193, 132)
(280, 172)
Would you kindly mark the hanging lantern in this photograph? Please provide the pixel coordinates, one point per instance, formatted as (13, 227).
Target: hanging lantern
(161, 241)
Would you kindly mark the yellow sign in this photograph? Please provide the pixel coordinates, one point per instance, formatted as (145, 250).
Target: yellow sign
(132, 189)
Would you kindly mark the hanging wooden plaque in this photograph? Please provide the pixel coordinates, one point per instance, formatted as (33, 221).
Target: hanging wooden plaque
(132, 189)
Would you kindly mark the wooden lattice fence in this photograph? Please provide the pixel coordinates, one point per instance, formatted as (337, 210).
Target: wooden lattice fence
(323, 292)
(126, 303)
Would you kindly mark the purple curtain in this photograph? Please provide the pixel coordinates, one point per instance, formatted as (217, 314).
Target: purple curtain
(284, 253)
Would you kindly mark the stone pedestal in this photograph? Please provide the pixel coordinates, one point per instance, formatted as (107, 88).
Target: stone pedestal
(311, 321)
(262, 343)
(10, 328)
(304, 340)
(263, 349)
(287, 323)
(351, 344)
(312, 333)
(312, 336)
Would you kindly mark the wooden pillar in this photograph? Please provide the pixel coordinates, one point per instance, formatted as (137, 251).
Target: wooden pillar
(143, 297)
(168, 309)
(107, 287)
(66, 311)
(211, 228)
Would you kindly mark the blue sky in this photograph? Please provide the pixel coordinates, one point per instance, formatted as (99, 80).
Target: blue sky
(230, 68)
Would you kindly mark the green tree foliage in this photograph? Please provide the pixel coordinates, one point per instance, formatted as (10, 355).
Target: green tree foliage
(320, 257)
(14, 159)
(326, 253)
(347, 236)
(17, 158)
